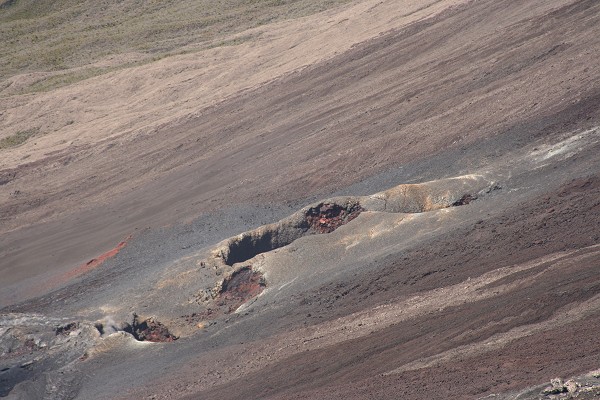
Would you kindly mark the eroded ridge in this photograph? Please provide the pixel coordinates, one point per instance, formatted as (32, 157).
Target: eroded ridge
(233, 257)
(323, 217)
(328, 215)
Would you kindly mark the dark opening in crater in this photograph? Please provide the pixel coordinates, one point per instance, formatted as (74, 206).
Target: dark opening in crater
(463, 201)
(65, 330)
(250, 246)
(323, 218)
(149, 330)
(327, 217)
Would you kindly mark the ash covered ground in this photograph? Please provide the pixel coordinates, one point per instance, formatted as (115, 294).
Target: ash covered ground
(412, 212)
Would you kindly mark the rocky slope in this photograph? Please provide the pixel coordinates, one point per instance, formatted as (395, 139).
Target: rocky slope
(386, 199)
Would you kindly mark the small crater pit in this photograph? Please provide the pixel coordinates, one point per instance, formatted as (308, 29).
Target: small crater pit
(327, 217)
(241, 286)
(65, 330)
(463, 201)
(322, 218)
(251, 245)
(149, 330)
(318, 218)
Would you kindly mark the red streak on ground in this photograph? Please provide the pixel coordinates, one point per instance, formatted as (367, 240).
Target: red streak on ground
(65, 277)
(95, 262)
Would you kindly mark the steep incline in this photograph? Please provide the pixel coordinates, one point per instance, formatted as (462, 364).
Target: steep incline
(163, 134)
(416, 216)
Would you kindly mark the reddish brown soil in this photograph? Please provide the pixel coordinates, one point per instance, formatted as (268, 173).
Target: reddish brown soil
(326, 218)
(565, 220)
(563, 351)
(240, 287)
(95, 262)
(65, 277)
(150, 330)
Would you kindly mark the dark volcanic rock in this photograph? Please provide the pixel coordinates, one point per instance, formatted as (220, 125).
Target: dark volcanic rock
(327, 217)
(149, 330)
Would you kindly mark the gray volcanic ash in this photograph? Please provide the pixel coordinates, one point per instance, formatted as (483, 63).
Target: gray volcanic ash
(381, 199)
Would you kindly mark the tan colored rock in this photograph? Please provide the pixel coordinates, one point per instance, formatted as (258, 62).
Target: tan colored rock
(571, 386)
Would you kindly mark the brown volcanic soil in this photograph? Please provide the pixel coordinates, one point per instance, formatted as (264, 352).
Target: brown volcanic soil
(493, 296)
(466, 363)
(526, 69)
(157, 144)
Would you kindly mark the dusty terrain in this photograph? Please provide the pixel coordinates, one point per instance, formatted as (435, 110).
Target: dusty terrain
(385, 199)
